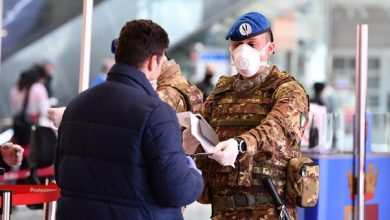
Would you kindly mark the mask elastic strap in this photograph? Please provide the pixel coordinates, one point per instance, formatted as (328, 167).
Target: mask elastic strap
(262, 51)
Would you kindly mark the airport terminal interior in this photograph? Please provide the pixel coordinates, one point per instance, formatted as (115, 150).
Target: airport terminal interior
(315, 42)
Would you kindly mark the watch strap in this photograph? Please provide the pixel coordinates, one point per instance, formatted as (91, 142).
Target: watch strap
(241, 144)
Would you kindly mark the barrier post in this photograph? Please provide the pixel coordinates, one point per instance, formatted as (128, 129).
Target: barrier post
(361, 107)
(49, 208)
(6, 201)
(85, 54)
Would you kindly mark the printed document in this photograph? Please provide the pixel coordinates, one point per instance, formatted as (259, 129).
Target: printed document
(200, 129)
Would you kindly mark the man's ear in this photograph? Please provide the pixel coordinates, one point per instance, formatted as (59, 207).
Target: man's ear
(271, 48)
(152, 63)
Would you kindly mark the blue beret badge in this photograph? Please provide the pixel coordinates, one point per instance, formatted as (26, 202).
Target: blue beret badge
(245, 29)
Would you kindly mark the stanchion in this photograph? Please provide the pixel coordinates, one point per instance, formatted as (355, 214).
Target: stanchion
(6, 201)
(49, 208)
(361, 109)
(14, 195)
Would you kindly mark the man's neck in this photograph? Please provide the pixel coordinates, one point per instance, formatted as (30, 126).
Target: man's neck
(263, 72)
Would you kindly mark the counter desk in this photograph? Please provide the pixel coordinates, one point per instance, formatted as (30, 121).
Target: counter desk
(335, 199)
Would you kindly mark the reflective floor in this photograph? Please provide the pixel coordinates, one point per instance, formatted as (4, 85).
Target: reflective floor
(23, 213)
(195, 211)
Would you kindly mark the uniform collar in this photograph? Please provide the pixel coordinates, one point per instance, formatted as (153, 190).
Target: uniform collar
(172, 75)
(243, 85)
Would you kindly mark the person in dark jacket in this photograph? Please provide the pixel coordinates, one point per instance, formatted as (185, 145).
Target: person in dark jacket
(119, 153)
(318, 98)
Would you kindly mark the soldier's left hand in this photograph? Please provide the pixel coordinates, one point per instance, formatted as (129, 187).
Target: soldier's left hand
(226, 152)
(12, 154)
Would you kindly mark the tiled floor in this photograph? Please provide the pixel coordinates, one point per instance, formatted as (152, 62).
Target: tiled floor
(195, 211)
(23, 213)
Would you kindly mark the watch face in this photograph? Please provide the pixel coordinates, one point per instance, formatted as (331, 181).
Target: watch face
(243, 146)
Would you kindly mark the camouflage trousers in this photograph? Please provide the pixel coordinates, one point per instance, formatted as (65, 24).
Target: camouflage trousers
(259, 213)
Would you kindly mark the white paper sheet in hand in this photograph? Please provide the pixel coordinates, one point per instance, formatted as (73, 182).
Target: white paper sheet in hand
(184, 119)
(200, 129)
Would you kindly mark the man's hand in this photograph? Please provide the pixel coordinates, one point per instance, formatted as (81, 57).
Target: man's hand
(12, 154)
(191, 164)
(225, 152)
(189, 142)
(55, 115)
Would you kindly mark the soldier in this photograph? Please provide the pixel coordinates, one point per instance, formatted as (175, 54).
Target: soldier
(259, 115)
(174, 89)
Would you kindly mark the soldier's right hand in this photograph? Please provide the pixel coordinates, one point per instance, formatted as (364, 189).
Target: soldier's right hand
(226, 152)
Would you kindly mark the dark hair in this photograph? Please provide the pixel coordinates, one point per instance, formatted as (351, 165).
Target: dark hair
(140, 39)
(318, 88)
(40, 69)
(28, 77)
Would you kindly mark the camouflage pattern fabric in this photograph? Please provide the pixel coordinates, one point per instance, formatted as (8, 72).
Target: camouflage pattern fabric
(174, 89)
(270, 114)
(303, 182)
(193, 96)
(255, 213)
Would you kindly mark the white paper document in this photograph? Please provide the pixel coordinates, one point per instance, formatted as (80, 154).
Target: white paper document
(200, 129)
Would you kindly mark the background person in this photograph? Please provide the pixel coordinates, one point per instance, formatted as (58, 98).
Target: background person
(129, 164)
(101, 77)
(30, 89)
(47, 68)
(318, 98)
(206, 85)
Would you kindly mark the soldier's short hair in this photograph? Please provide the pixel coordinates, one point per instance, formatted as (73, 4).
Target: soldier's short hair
(140, 39)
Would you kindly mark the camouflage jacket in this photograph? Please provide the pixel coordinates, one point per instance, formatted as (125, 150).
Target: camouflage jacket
(270, 115)
(177, 91)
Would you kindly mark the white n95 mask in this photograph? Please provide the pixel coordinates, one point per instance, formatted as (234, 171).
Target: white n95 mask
(247, 59)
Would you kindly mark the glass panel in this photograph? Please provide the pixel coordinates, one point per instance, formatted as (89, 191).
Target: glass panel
(373, 63)
(380, 141)
(338, 63)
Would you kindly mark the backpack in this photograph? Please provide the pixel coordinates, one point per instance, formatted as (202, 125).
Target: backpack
(42, 145)
(21, 125)
(303, 182)
(192, 95)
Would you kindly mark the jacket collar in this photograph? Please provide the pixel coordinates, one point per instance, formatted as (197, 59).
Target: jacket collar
(129, 75)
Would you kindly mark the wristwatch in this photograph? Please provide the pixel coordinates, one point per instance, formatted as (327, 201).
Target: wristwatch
(241, 144)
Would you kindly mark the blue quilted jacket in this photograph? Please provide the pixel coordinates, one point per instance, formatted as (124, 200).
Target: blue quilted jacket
(119, 154)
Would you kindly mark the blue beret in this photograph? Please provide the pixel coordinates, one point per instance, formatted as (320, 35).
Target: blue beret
(114, 45)
(249, 25)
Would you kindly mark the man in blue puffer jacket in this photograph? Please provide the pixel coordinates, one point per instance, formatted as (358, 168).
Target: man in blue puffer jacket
(119, 153)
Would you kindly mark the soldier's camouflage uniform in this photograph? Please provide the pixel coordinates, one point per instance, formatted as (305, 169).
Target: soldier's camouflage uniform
(270, 115)
(177, 91)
